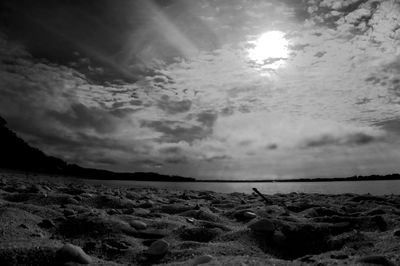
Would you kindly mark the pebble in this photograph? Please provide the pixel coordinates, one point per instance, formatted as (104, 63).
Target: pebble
(264, 226)
(250, 215)
(375, 259)
(73, 253)
(158, 248)
(138, 225)
(202, 259)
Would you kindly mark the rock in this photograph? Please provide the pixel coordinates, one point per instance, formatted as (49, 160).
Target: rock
(376, 260)
(132, 195)
(73, 253)
(158, 248)
(202, 259)
(263, 226)
(249, 215)
(46, 224)
(190, 220)
(397, 233)
(138, 225)
(141, 212)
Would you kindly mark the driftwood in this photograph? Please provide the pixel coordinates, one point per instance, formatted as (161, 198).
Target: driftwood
(267, 201)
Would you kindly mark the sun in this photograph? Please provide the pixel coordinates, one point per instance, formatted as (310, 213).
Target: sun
(271, 46)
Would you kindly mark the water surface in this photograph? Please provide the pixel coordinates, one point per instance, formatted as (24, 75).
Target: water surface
(359, 187)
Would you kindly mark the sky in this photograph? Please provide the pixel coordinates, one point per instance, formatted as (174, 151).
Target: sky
(213, 89)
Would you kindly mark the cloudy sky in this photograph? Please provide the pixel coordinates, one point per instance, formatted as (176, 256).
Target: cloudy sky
(231, 89)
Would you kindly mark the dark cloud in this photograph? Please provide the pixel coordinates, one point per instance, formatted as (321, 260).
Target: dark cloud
(364, 100)
(105, 40)
(81, 116)
(226, 111)
(349, 139)
(390, 126)
(320, 54)
(103, 161)
(174, 107)
(136, 102)
(218, 158)
(174, 131)
(272, 146)
(171, 150)
(123, 112)
(148, 163)
(207, 118)
(176, 160)
(245, 143)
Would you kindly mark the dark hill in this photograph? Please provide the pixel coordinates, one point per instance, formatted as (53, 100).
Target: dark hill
(16, 154)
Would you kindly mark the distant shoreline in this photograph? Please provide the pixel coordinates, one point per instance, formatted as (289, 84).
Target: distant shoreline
(96, 174)
(294, 180)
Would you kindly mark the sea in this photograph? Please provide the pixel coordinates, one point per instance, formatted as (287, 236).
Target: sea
(376, 187)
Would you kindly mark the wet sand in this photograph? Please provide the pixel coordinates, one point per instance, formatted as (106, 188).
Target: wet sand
(58, 221)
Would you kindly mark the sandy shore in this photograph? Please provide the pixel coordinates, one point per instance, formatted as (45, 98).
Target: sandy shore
(56, 221)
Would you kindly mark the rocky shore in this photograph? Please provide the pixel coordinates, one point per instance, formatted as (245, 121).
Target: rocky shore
(58, 221)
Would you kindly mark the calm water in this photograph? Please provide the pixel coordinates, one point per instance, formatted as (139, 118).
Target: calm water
(359, 187)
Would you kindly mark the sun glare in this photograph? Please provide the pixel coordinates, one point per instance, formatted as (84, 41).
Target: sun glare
(270, 46)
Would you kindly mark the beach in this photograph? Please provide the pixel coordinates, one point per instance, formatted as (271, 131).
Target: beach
(50, 220)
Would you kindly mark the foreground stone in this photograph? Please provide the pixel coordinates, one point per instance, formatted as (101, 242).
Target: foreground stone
(138, 225)
(158, 248)
(202, 259)
(249, 215)
(72, 253)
